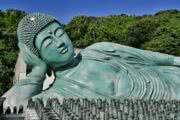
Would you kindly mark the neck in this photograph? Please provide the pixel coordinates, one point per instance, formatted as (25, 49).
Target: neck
(73, 63)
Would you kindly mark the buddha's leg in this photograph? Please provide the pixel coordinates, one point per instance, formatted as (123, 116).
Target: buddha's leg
(171, 76)
(177, 61)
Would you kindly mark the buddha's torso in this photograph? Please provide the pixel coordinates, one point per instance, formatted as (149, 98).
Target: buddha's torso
(104, 74)
(93, 78)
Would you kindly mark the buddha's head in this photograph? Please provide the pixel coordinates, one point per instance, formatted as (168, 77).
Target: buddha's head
(45, 37)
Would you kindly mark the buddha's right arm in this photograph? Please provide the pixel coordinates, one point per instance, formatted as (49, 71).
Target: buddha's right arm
(26, 88)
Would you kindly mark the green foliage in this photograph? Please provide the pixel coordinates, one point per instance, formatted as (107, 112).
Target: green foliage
(159, 32)
(6, 76)
(85, 30)
(9, 20)
(141, 31)
(166, 40)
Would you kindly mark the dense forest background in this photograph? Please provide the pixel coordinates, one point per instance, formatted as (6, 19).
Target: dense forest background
(159, 32)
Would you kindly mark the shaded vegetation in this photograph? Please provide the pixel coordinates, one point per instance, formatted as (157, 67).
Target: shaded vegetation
(9, 20)
(159, 32)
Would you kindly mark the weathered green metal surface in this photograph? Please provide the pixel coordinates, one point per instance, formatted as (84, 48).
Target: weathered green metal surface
(102, 70)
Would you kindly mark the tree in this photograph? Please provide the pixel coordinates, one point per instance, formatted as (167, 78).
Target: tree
(166, 40)
(141, 31)
(9, 20)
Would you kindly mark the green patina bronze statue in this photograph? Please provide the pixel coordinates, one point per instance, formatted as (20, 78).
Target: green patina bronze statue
(102, 70)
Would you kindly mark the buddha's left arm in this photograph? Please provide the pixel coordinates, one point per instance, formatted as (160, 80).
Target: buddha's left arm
(154, 58)
(134, 56)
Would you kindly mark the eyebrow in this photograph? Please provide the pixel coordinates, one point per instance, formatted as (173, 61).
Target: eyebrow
(57, 29)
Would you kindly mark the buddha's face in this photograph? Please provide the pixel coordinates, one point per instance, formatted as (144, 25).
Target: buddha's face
(54, 45)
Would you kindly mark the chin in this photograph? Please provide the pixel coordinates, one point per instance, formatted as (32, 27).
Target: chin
(62, 63)
(62, 60)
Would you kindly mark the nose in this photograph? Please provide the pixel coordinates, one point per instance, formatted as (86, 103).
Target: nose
(59, 43)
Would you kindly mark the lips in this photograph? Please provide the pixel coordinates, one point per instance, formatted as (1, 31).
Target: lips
(63, 50)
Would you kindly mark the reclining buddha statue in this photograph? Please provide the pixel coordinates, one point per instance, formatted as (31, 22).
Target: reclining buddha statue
(101, 70)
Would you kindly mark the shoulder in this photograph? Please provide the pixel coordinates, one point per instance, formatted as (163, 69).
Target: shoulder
(102, 46)
(101, 50)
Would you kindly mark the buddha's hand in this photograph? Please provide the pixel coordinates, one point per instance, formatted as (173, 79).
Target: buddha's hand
(31, 59)
(32, 85)
(15, 97)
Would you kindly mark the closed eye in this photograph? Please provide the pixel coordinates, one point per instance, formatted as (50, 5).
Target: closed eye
(47, 42)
